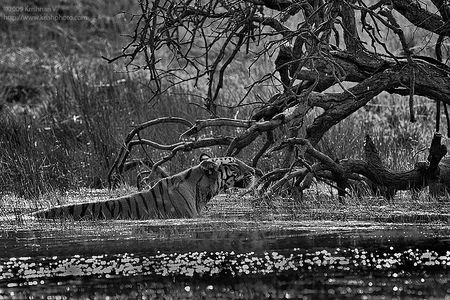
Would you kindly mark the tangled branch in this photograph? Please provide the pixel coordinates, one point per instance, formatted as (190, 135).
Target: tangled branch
(326, 57)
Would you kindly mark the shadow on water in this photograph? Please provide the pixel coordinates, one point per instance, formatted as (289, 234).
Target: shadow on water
(231, 259)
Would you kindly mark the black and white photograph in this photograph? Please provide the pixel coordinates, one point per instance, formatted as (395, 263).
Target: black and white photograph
(224, 149)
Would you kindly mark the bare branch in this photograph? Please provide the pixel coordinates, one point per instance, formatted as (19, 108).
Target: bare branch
(421, 17)
(298, 57)
(308, 148)
(219, 122)
(189, 146)
(124, 152)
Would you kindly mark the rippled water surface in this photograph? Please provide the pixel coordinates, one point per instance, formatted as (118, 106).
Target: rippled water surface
(229, 259)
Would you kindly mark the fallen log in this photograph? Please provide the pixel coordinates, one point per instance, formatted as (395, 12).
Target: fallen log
(386, 182)
(382, 181)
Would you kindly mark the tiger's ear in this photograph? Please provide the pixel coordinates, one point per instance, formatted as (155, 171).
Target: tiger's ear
(204, 156)
(209, 167)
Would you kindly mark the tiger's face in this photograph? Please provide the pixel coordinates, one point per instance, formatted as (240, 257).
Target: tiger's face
(231, 172)
(220, 174)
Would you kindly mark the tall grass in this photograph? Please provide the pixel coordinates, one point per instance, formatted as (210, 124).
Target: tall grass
(29, 166)
(75, 136)
(386, 118)
(68, 134)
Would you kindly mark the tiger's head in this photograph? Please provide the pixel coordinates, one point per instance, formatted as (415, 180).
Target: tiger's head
(211, 177)
(231, 172)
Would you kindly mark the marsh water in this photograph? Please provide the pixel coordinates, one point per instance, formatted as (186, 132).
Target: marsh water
(236, 251)
(224, 259)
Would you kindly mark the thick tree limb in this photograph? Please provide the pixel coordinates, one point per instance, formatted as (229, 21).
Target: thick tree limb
(421, 17)
(382, 179)
(218, 122)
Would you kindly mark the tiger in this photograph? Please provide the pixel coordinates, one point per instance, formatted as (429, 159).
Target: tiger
(183, 195)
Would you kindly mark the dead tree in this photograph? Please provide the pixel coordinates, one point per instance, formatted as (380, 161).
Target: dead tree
(314, 45)
(382, 180)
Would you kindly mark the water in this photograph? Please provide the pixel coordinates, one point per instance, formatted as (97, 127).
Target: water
(224, 259)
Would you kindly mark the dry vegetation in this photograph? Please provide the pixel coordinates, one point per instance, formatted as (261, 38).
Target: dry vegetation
(64, 112)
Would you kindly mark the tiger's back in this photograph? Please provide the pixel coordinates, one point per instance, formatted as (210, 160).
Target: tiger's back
(143, 205)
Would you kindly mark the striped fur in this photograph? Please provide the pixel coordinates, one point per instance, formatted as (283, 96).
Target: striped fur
(183, 195)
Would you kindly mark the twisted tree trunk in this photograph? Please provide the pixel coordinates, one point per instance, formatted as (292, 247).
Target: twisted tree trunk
(381, 180)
